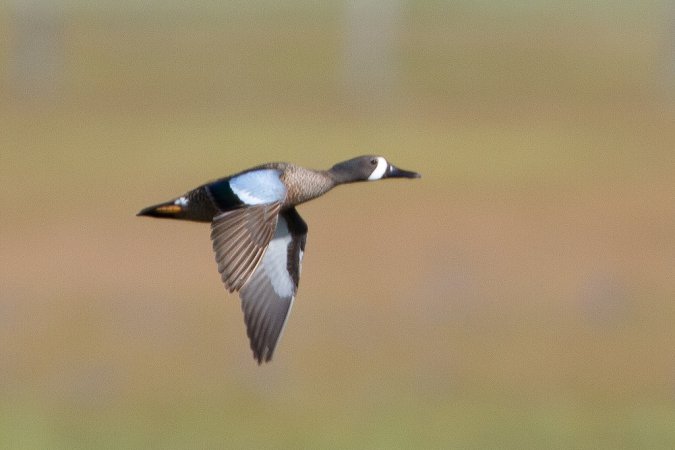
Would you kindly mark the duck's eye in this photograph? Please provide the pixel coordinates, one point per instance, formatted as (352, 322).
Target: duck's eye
(373, 162)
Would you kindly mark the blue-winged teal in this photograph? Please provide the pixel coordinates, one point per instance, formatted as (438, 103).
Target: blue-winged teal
(259, 237)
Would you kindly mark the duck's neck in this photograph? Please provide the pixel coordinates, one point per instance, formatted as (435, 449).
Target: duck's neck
(341, 175)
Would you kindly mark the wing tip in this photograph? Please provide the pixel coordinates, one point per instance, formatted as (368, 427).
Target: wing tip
(263, 356)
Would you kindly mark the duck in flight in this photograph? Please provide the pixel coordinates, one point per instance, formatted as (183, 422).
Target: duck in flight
(258, 236)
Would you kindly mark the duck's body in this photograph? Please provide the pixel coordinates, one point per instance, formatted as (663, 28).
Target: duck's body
(259, 237)
(285, 182)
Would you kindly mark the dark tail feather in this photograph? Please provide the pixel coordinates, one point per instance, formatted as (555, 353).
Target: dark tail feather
(168, 210)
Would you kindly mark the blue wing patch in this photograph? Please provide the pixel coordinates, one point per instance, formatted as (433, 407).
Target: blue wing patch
(258, 186)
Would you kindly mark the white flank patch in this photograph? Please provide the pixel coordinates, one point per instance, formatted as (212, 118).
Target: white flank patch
(300, 261)
(258, 187)
(379, 171)
(181, 201)
(275, 261)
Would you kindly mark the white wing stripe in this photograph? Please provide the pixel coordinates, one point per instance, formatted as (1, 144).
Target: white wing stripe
(275, 261)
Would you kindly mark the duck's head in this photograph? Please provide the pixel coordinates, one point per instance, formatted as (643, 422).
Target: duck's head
(368, 168)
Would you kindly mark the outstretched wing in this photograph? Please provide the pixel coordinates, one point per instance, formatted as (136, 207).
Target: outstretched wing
(268, 295)
(240, 238)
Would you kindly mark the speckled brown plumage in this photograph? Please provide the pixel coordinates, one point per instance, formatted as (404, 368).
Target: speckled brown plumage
(304, 184)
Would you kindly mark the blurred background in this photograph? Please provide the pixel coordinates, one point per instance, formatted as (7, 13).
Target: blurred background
(519, 295)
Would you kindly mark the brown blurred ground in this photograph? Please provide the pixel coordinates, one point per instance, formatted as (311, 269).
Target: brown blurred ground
(519, 295)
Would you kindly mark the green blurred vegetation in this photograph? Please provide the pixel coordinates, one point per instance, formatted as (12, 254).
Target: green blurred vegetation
(519, 295)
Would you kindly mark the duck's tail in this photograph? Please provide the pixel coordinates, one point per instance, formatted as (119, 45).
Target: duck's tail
(168, 210)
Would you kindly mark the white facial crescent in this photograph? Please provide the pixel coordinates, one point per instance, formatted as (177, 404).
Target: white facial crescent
(379, 171)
